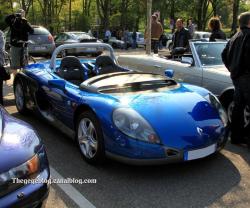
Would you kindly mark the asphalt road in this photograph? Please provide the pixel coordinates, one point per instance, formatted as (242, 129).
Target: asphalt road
(222, 180)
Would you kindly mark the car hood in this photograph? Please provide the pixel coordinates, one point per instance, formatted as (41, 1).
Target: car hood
(18, 142)
(180, 117)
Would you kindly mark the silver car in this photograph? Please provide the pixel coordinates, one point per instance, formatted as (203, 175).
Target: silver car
(42, 41)
(201, 66)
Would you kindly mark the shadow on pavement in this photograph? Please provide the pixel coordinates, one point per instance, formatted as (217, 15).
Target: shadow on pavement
(243, 151)
(192, 184)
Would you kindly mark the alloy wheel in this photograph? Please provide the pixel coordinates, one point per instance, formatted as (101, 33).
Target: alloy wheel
(87, 138)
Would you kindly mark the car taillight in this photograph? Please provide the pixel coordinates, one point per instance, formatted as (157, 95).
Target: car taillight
(50, 38)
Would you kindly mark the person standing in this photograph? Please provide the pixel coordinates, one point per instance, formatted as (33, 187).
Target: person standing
(107, 35)
(126, 38)
(19, 32)
(134, 38)
(214, 25)
(191, 27)
(156, 32)
(2, 48)
(236, 58)
(181, 35)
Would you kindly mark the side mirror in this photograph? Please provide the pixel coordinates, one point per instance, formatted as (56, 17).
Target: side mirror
(57, 83)
(169, 73)
(187, 60)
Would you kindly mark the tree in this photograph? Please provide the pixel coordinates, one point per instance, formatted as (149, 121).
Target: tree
(236, 4)
(103, 8)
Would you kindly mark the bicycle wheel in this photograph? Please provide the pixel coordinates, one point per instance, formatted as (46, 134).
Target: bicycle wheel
(7, 60)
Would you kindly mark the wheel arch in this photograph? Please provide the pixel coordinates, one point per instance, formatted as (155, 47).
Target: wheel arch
(30, 86)
(81, 108)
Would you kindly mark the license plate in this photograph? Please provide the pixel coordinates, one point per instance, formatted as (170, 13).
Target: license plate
(40, 48)
(200, 153)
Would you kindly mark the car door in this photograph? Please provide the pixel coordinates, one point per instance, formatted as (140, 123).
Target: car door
(62, 102)
(183, 72)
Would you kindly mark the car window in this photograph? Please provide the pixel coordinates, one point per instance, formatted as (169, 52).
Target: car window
(210, 53)
(40, 31)
(206, 35)
(61, 37)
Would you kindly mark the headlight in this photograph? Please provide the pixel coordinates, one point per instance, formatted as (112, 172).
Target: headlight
(213, 100)
(27, 170)
(134, 125)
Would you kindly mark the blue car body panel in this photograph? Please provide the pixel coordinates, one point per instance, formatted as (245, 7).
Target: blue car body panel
(18, 144)
(174, 114)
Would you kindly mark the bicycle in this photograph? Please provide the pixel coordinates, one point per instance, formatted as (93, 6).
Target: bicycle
(25, 57)
(7, 60)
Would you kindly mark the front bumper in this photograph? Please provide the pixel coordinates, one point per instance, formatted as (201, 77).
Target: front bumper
(141, 153)
(33, 195)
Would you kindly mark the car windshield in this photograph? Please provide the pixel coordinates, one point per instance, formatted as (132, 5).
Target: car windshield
(40, 31)
(80, 35)
(210, 53)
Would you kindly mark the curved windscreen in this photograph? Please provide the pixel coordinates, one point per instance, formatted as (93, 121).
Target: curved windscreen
(210, 53)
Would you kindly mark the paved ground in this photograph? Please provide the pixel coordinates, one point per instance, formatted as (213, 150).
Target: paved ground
(219, 181)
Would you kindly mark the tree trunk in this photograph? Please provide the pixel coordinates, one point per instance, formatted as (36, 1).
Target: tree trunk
(70, 16)
(235, 15)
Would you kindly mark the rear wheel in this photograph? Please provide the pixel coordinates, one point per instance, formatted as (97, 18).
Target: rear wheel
(90, 138)
(20, 98)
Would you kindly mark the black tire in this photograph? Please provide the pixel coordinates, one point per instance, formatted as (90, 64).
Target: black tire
(20, 99)
(95, 155)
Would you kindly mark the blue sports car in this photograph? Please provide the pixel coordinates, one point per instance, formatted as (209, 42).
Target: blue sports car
(22, 159)
(134, 117)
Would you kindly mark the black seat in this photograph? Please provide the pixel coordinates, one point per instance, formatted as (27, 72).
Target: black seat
(105, 65)
(71, 70)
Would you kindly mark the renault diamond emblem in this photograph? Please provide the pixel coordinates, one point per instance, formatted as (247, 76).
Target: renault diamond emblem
(199, 130)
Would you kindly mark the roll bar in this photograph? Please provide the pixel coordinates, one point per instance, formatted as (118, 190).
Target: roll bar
(80, 45)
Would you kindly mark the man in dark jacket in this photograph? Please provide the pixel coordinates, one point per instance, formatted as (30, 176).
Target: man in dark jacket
(19, 32)
(181, 35)
(236, 58)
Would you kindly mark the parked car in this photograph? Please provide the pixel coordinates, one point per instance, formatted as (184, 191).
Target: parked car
(202, 35)
(77, 37)
(166, 37)
(22, 158)
(42, 41)
(134, 117)
(202, 66)
(115, 43)
(198, 35)
(139, 39)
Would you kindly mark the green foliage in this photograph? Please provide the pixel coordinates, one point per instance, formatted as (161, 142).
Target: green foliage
(54, 14)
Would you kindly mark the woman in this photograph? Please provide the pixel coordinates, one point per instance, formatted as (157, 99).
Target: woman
(1, 64)
(214, 25)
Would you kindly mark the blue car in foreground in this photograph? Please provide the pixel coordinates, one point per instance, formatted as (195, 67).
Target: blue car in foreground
(134, 117)
(24, 166)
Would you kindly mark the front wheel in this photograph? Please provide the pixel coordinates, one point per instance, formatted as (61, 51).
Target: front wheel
(20, 98)
(89, 138)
